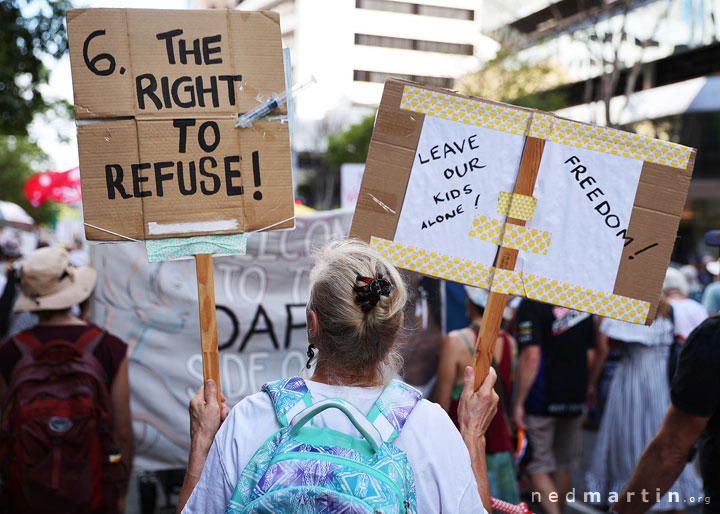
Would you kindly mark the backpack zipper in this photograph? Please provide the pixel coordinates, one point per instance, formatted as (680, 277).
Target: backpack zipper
(368, 470)
(347, 496)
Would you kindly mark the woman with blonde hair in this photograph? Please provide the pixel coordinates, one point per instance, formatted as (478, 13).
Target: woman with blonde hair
(351, 438)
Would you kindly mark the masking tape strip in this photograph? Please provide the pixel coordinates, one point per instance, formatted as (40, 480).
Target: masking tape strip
(526, 238)
(487, 229)
(434, 264)
(508, 282)
(465, 110)
(520, 207)
(509, 235)
(587, 300)
(159, 229)
(180, 247)
(608, 140)
(570, 296)
(512, 282)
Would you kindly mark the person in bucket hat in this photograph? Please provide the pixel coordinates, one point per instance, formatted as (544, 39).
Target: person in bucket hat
(84, 362)
(50, 283)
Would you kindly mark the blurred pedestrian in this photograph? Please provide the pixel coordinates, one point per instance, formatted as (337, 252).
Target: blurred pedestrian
(711, 295)
(9, 284)
(704, 276)
(695, 287)
(686, 312)
(692, 417)
(66, 429)
(456, 354)
(550, 394)
(639, 396)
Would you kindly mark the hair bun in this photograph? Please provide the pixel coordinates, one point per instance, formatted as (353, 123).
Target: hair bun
(368, 295)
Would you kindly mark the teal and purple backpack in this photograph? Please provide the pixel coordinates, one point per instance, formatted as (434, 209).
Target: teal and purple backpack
(307, 469)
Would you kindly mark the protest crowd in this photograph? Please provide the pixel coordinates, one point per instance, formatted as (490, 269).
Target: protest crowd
(505, 286)
(554, 370)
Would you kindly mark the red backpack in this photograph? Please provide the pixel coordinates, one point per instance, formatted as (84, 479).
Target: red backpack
(56, 448)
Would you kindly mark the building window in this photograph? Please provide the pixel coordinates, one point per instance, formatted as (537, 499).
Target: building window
(421, 9)
(413, 44)
(380, 77)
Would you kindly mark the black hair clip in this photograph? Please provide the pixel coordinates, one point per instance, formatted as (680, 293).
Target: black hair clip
(368, 295)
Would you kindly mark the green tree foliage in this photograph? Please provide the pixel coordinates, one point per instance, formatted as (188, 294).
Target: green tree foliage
(508, 78)
(19, 160)
(350, 145)
(30, 30)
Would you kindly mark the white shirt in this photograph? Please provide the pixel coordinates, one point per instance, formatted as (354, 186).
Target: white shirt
(688, 314)
(444, 481)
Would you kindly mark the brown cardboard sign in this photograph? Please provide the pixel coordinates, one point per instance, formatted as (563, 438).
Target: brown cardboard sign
(157, 94)
(593, 225)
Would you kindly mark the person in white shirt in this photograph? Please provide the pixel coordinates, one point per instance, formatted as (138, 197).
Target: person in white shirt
(687, 313)
(354, 329)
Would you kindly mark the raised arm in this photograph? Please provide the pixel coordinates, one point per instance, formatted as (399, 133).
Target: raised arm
(527, 369)
(662, 461)
(600, 353)
(206, 416)
(695, 397)
(475, 412)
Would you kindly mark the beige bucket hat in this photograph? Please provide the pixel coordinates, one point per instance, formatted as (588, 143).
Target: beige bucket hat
(50, 282)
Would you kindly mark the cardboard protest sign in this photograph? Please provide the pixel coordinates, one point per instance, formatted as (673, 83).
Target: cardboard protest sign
(157, 94)
(522, 202)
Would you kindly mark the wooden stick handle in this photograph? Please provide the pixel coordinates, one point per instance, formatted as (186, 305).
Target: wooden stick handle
(505, 259)
(487, 337)
(208, 322)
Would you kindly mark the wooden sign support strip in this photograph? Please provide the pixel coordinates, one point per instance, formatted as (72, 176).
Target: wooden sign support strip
(208, 322)
(505, 259)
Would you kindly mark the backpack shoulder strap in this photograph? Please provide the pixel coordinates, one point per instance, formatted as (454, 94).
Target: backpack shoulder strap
(26, 342)
(289, 396)
(392, 409)
(89, 340)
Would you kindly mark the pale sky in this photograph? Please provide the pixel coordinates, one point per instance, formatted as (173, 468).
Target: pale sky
(64, 155)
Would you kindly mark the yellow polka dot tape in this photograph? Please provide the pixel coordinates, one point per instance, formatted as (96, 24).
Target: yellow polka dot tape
(526, 238)
(434, 264)
(464, 110)
(508, 282)
(608, 140)
(510, 236)
(521, 207)
(587, 300)
(512, 282)
(487, 229)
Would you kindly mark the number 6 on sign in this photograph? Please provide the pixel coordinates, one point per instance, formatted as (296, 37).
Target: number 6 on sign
(91, 63)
